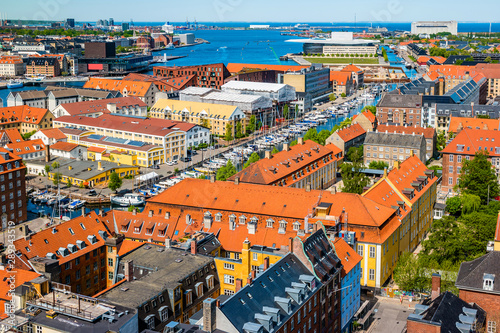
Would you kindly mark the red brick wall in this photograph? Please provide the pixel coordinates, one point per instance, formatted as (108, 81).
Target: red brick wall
(418, 327)
(490, 303)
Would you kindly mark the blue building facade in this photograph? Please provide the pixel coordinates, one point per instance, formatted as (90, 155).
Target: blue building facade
(350, 283)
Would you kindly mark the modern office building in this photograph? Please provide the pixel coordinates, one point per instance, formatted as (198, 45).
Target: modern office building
(434, 27)
(339, 43)
(207, 76)
(312, 84)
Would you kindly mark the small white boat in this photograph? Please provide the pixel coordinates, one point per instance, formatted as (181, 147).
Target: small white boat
(12, 84)
(75, 204)
(128, 199)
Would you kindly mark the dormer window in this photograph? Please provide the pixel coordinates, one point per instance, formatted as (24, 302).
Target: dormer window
(269, 223)
(296, 226)
(282, 228)
(242, 219)
(218, 217)
(488, 280)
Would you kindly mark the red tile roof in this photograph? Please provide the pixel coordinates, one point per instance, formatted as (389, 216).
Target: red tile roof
(340, 77)
(96, 149)
(26, 147)
(11, 60)
(284, 163)
(468, 141)
(48, 241)
(80, 108)
(64, 146)
(13, 134)
(347, 255)
(350, 132)
(368, 114)
(459, 123)
(351, 68)
(22, 113)
(10, 279)
(427, 132)
(54, 133)
(157, 127)
(130, 88)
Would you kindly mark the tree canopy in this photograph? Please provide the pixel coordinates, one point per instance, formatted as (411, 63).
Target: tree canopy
(479, 178)
(352, 177)
(229, 132)
(254, 157)
(378, 165)
(371, 108)
(115, 182)
(226, 171)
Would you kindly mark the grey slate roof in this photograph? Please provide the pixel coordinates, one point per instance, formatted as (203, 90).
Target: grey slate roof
(269, 286)
(400, 101)
(167, 273)
(394, 140)
(470, 275)
(447, 311)
(467, 110)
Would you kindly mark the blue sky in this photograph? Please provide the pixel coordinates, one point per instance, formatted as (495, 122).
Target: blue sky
(253, 10)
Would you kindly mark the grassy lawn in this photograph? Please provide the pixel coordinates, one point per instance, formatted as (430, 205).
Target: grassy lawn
(335, 60)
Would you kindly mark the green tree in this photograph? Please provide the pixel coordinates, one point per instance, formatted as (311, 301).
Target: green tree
(69, 183)
(293, 143)
(454, 205)
(254, 157)
(409, 274)
(322, 136)
(286, 112)
(478, 177)
(131, 208)
(311, 134)
(442, 243)
(55, 165)
(441, 141)
(274, 151)
(343, 95)
(378, 165)
(488, 59)
(27, 136)
(371, 108)
(470, 203)
(47, 170)
(252, 123)
(355, 154)
(229, 132)
(239, 130)
(332, 97)
(57, 178)
(226, 171)
(352, 177)
(115, 182)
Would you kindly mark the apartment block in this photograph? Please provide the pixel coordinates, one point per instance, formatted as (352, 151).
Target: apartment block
(12, 187)
(392, 147)
(305, 165)
(206, 76)
(463, 147)
(345, 138)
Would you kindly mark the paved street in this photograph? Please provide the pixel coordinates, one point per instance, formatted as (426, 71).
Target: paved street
(391, 315)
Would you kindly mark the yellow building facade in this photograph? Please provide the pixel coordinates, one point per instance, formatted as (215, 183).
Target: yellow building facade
(216, 117)
(238, 267)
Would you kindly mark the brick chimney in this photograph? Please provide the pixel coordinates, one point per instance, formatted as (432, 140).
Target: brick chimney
(290, 244)
(286, 147)
(210, 314)
(268, 154)
(236, 180)
(436, 286)
(193, 246)
(254, 273)
(47, 153)
(308, 187)
(300, 141)
(238, 285)
(128, 268)
(249, 280)
(266, 263)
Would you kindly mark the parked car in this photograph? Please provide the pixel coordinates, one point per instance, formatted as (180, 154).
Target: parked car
(92, 193)
(155, 166)
(171, 163)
